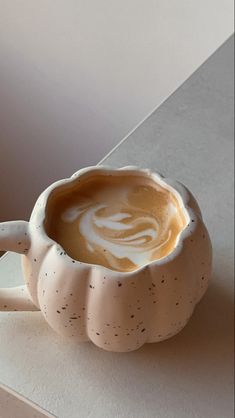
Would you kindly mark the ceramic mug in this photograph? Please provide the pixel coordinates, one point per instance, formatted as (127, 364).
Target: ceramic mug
(91, 302)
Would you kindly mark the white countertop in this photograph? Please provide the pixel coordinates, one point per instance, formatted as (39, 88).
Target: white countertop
(190, 137)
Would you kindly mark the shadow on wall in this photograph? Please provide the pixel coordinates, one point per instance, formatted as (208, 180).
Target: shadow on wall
(47, 132)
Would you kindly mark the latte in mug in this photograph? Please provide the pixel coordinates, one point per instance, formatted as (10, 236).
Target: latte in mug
(121, 223)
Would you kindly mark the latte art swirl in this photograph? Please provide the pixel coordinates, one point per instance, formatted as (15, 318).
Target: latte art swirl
(121, 226)
(127, 234)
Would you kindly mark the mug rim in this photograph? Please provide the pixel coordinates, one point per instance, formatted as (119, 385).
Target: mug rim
(39, 214)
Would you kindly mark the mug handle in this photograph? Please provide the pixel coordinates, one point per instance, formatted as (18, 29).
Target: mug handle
(14, 236)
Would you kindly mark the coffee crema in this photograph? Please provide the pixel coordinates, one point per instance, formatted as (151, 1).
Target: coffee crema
(121, 222)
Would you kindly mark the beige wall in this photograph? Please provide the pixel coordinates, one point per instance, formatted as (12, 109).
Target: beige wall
(77, 75)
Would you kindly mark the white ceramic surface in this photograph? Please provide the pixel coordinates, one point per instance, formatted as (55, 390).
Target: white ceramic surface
(117, 311)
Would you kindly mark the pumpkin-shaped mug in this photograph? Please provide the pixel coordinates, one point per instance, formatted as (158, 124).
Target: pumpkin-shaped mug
(116, 256)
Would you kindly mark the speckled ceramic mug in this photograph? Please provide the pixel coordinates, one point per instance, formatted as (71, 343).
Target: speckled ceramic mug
(117, 311)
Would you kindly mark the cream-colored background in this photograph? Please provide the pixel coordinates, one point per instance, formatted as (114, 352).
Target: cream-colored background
(76, 76)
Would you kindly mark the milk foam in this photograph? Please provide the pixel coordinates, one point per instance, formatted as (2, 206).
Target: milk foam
(120, 223)
(136, 247)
